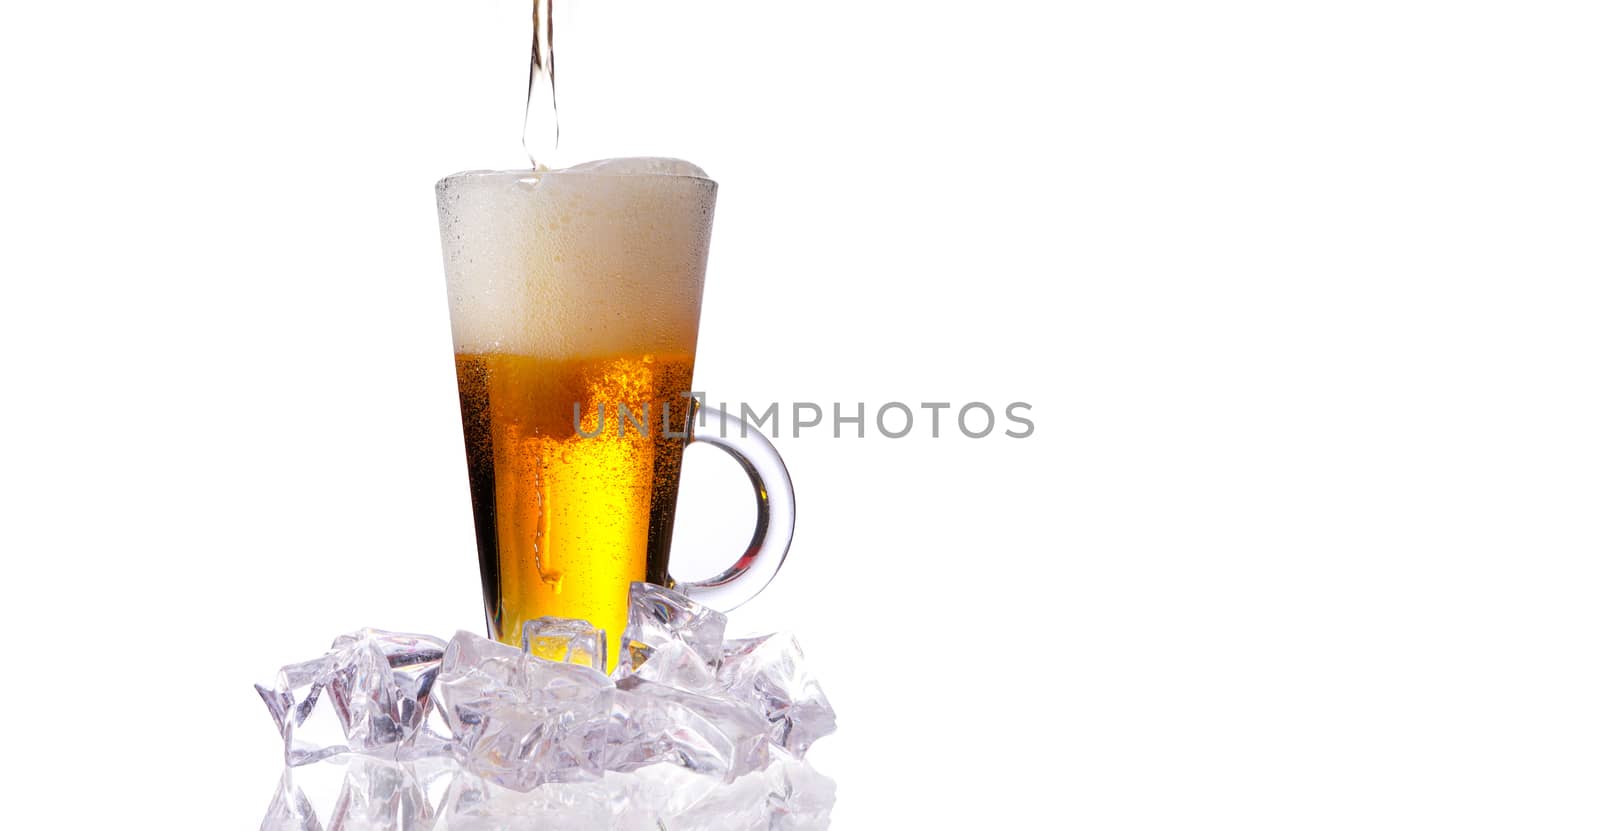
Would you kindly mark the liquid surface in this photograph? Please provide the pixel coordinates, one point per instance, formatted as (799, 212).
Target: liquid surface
(566, 521)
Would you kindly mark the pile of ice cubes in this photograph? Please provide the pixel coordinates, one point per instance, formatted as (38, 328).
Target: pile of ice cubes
(681, 697)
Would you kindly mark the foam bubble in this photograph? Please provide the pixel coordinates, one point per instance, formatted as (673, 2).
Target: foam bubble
(598, 260)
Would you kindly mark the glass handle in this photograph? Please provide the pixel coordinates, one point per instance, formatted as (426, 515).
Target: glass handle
(774, 511)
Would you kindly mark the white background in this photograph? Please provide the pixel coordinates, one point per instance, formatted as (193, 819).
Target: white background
(1303, 296)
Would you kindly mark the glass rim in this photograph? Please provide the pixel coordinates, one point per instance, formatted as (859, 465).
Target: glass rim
(526, 174)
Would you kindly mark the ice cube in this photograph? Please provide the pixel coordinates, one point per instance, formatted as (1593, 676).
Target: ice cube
(368, 694)
(519, 720)
(657, 723)
(382, 699)
(769, 673)
(657, 616)
(674, 664)
(565, 640)
(298, 702)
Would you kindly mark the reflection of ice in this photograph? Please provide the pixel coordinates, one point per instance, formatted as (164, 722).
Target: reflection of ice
(437, 794)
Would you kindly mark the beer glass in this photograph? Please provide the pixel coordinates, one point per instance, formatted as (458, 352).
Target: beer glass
(574, 309)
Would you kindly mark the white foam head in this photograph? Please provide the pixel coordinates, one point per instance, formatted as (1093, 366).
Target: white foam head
(601, 259)
(640, 166)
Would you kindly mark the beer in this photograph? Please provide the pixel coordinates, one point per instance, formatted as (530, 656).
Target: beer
(574, 294)
(569, 511)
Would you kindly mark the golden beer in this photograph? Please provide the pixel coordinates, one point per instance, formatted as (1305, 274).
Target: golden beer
(574, 291)
(569, 512)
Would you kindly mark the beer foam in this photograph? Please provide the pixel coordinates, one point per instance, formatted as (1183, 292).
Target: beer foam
(640, 166)
(602, 259)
